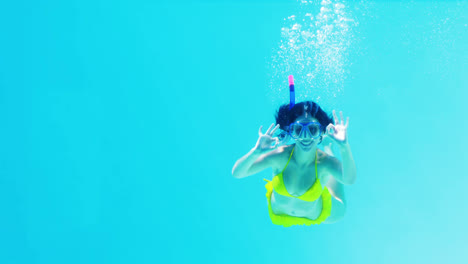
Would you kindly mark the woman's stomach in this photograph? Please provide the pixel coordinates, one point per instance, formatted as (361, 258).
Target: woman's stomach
(295, 207)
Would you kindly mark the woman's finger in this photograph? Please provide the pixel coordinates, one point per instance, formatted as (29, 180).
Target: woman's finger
(329, 129)
(347, 122)
(268, 131)
(273, 131)
(335, 117)
(260, 131)
(277, 142)
(342, 119)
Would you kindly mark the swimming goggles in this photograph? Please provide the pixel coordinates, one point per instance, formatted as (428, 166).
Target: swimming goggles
(299, 130)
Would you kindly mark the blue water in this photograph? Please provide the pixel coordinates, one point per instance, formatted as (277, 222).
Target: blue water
(120, 122)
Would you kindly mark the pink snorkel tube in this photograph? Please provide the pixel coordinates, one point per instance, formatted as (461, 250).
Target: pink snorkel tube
(291, 92)
(283, 136)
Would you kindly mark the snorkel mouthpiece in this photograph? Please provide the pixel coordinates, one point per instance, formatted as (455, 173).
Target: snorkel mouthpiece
(291, 92)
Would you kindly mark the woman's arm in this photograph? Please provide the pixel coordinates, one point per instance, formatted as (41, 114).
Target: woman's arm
(258, 158)
(338, 201)
(253, 163)
(345, 172)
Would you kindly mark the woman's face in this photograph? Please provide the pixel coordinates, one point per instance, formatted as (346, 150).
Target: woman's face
(306, 141)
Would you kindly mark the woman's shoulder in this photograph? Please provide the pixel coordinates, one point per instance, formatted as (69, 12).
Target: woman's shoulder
(285, 150)
(281, 156)
(325, 157)
(322, 155)
(281, 151)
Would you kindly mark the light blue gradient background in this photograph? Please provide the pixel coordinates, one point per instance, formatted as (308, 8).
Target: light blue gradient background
(121, 122)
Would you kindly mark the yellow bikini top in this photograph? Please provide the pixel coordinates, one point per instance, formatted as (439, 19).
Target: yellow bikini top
(310, 195)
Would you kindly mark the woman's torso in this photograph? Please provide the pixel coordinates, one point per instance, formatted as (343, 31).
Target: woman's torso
(297, 181)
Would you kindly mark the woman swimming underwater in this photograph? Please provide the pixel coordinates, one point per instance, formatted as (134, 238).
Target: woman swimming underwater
(308, 183)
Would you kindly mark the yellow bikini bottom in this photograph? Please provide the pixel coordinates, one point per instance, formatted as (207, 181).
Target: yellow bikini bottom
(287, 220)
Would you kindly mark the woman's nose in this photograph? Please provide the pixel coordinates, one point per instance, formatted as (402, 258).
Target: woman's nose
(306, 133)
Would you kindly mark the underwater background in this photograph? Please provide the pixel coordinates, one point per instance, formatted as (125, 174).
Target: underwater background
(120, 122)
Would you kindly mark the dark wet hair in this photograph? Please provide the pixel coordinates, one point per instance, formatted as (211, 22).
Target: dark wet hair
(284, 117)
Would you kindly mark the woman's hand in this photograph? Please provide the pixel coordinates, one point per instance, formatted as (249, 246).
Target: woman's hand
(265, 140)
(337, 132)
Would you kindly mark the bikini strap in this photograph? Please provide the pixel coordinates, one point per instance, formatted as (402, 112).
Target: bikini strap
(288, 160)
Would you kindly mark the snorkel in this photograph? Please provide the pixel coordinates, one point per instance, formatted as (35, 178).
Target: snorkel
(291, 92)
(284, 135)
